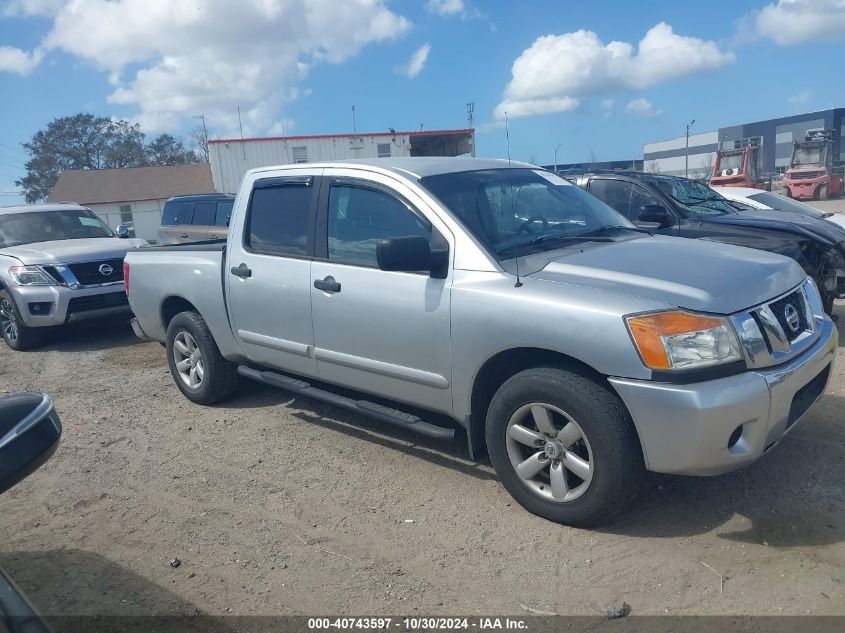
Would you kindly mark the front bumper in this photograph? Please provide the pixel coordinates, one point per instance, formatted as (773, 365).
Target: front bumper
(60, 304)
(686, 428)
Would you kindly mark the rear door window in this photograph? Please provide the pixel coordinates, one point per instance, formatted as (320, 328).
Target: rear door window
(172, 213)
(278, 218)
(204, 214)
(224, 213)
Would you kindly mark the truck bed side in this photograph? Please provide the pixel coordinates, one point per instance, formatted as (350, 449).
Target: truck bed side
(165, 280)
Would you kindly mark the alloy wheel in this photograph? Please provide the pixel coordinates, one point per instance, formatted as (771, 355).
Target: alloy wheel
(188, 360)
(549, 452)
(8, 322)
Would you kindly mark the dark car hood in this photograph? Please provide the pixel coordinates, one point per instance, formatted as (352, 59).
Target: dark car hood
(692, 274)
(806, 226)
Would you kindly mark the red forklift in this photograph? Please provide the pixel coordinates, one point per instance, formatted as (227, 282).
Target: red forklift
(739, 166)
(813, 173)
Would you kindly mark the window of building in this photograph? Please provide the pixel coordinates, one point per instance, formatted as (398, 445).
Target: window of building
(125, 214)
(383, 150)
(300, 154)
(359, 217)
(277, 220)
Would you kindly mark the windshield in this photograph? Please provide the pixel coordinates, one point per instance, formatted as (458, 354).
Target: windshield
(697, 199)
(45, 226)
(807, 156)
(508, 209)
(782, 203)
(732, 161)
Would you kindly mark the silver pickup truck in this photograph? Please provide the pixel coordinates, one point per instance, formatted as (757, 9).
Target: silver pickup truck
(500, 301)
(59, 263)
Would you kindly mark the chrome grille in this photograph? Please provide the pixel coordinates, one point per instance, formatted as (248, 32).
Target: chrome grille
(791, 314)
(90, 273)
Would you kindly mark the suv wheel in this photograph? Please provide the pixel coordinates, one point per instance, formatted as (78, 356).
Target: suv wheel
(196, 364)
(17, 335)
(564, 446)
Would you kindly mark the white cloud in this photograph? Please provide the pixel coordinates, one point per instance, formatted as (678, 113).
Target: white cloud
(445, 7)
(22, 8)
(416, 63)
(173, 59)
(800, 98)
(642, 107)
(15, 60)
(557, 70)
(795, 21)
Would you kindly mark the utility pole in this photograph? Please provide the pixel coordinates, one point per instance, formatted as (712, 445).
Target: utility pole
(556, 149)
(686, 150)
(241, 125)
(471, 124)
(354, 127)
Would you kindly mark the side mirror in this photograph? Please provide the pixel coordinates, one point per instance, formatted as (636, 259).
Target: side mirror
(29, 435)
(655, 214)
(411, 255)
(122, 231)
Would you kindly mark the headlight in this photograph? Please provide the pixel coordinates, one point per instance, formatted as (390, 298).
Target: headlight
(31, 276)
(683, 340)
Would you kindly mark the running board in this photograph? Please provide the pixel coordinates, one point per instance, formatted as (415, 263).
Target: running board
(370, 409)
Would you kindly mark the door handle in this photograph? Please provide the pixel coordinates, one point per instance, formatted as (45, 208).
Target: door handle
(243, 271)
(184, 235)
(328, 284)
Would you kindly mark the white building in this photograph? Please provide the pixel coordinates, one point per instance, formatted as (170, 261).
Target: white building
(134, 196)
(232, 158)
(668, 157)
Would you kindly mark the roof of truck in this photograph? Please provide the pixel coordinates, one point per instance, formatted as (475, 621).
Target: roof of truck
(32, 208)
(423, 166)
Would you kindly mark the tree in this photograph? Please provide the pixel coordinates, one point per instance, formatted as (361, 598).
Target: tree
(85, 141)
(199, 141)
(652, 166)
(164, 149)
(81, 141)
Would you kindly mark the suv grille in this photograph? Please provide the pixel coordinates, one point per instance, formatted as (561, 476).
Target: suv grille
(791, 314)
(89, 273)
(97, 302)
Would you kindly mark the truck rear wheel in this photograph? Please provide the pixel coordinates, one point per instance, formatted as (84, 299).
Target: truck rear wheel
(564, 446)
(17, 335)
(196, 364)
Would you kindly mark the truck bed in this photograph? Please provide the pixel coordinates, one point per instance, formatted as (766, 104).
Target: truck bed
(166, 280)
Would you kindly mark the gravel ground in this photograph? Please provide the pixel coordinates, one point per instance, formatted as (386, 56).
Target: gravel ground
(281, 506)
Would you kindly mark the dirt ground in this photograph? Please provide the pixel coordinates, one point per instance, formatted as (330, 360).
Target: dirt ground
(281, 506)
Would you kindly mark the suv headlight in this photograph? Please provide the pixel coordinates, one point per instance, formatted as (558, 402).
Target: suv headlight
(31, 276)
(683, 340)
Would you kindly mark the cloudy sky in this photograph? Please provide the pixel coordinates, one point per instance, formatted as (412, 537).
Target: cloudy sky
(599, 77)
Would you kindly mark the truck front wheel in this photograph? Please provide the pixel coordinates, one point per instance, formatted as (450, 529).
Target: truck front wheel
(822, 193)
(564, 446)
(196, 364)
(17, 335)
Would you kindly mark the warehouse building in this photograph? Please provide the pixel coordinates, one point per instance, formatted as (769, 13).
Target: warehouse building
(232, 158)
(776, 138)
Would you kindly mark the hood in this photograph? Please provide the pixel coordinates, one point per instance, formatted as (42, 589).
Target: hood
(690, 274)
(817, 229)
(72, 251)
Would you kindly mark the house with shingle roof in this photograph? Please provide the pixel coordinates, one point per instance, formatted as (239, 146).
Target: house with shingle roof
(134, 196)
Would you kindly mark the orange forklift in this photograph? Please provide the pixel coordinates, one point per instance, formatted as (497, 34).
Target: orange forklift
(813, 173)
(739, 166)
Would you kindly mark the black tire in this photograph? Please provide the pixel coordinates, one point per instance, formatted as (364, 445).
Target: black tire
(220, 377)
(615, 452)
(17, 335)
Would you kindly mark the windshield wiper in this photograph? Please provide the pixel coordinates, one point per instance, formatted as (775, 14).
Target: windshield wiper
(540, 239)
(612, 227)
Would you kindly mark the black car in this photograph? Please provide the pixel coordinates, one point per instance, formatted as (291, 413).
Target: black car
(671, 205)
